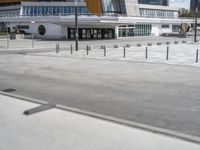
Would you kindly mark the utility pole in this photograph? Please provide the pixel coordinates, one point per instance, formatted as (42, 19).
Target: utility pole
(76, 25)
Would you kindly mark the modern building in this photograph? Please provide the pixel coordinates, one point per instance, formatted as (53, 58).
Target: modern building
(154, 2)
(97, 19)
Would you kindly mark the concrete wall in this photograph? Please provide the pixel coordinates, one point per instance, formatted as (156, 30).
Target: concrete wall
(158, 30)
(132, 7)
(53, 31)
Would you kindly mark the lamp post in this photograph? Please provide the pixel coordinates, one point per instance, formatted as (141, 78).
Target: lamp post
(195, 24)
(33, 36)
(76, 25)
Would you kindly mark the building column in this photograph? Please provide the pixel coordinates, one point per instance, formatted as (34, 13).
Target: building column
(116, 32)
(66, 32)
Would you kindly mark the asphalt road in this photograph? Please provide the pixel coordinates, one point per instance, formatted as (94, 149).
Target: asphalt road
(160, 95)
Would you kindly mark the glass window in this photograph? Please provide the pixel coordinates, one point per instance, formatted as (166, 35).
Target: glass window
(165, 26)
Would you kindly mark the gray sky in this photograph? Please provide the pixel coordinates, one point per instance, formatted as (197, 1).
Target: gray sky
(180, 3)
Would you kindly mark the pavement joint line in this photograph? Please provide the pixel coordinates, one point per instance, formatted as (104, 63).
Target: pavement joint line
(152, 129)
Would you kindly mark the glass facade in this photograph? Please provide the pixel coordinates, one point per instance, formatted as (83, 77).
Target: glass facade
(154, 2)
(92, 33)
(52, 10)
(135, 30)
(113, 6)
(154, 13)
(194, 4)
(175, 28)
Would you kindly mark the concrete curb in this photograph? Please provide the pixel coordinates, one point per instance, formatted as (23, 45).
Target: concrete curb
(152, 129)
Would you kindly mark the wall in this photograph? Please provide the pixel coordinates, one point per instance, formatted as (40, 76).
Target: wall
(158, 30)
(132, 8)
(53, 31)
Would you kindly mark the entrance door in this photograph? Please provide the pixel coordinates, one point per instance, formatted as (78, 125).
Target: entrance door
(85, 33)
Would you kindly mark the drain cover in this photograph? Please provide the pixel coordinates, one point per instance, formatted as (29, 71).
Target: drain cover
(8, 90)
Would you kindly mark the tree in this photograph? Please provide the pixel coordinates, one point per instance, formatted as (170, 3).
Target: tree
(184, 13)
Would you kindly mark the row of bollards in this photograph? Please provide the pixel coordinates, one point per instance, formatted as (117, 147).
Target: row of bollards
(124, 51)
(167, 55)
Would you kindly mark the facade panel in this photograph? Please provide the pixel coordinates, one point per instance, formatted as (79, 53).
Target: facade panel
(154, 2)
(95, 7)
(113, 6)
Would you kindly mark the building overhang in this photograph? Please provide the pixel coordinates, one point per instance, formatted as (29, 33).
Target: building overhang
(94, 20)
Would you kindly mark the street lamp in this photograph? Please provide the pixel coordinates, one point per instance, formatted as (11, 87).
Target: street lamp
(195, 24)
(76, 24)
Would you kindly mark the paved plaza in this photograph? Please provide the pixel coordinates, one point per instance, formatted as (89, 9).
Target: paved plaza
(178, 54)
(126, 50)
(27, 43)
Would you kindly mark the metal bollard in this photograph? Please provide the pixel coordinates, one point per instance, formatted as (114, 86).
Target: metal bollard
(104, 51)
(57, 47)
(87, 50)
(167, 57)
(71, 49)
(146, 53)
(124, 51)
(7, 41)
(197, 56)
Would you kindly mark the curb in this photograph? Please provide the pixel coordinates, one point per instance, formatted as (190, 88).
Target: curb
(156, 130)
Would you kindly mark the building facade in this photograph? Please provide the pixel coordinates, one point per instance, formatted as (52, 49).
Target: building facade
(97, 19)
(154, 2)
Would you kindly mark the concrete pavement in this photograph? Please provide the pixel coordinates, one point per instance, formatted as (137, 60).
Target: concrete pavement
(164, 96)
(61, 130)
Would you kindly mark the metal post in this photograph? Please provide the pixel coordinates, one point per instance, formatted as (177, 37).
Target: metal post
(146, 54)
(57, 48)
(195, 25)
(33, 36)
(105, 51)
(71, 49)
(197, 56)
(124, 51)
(167, 57)
(87, 50)
(76, 24)
(7, 35)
